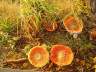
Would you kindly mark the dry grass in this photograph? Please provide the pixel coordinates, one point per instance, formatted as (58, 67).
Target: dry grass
(29, 27)
(31, 13)
(9, 11)
(30, 21)
(75, 7)
(9, 15)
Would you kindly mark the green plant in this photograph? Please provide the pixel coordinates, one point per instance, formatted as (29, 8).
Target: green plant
(3, 38)
(6, 26)
(7, 41)
(27, 49)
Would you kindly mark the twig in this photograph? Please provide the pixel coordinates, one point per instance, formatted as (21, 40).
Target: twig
(16, 61)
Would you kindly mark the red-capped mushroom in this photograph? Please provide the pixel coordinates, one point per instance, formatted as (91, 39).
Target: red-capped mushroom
(61, 55)
(38, 56)
(73, 25)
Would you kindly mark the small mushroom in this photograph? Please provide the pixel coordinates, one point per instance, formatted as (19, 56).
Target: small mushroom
(50, 26)
(93, 34)
(61, 55)
(38, 56)
(73, 25)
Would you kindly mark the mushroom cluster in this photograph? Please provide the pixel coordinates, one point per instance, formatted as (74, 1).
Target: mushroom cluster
(59, 54)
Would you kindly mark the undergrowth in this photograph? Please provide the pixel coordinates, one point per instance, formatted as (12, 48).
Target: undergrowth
(25, 17)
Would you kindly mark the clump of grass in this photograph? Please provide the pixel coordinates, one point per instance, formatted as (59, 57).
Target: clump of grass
(29, 27)
(9, 11)
(9, 15)
(9, 19)
(32, 12)
(5, 26)
(30, 21)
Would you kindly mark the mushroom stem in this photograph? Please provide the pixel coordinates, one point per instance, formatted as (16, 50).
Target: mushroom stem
(75, 36)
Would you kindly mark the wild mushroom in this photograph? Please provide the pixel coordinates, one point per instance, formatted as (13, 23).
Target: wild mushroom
(61, 55)
(93, 34)
(50, 26)
(73, 25)
(38, 56)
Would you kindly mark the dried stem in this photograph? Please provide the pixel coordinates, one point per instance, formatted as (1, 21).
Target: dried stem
(16, 61)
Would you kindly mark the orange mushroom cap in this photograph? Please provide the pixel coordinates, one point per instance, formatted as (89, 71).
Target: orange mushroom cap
(38, 56)
(73, 25)
(61, 55)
